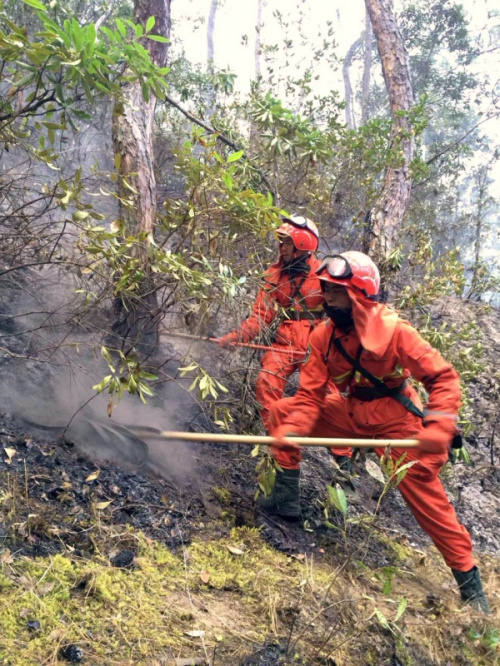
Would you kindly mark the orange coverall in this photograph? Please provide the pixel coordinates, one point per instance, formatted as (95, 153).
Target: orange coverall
(392, 351)
(302, 298)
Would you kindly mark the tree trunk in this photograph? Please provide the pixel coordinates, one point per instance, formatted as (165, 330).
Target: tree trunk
(481, 204)
(254, 135)
(214, 5)
(132, 135)
(367, 65)
(210, 33)
(258, 39)
(349, 112)
(387, 214)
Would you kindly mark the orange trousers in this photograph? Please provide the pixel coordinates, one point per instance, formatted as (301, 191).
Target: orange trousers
(421, 488)
(277, 367)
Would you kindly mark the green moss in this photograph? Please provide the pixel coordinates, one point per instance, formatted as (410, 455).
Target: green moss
(137, 616)
(222, 494)
(5, 583)
(401, 552)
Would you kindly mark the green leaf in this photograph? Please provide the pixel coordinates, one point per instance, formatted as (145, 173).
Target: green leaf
(401, 609)
(158, 38)
(150, 23)
(228, 181)
(148, 375)
(235, 156)
(121, 27)
(188, 368)
(382, 619)
(36, 5)
(80, 215)
(338, 498)
(102, 385)
(53, 126)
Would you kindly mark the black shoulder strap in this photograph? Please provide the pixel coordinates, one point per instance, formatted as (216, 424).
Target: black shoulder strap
(403, 399)
(296, 289)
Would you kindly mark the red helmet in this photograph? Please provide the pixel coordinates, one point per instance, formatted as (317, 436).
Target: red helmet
(353, 268)
(302, 231)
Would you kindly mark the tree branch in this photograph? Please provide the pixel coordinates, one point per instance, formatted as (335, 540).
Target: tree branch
(105, 16)
(220, 137)
(460, 139)
(33, 106)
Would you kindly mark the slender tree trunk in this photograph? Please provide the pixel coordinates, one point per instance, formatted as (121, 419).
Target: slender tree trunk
(210, 33)
(132, 135)
(482, 194)
(387, 214)
(257, 59)
(258, 40)
(349, 111)
(367, 65)
(210, 110)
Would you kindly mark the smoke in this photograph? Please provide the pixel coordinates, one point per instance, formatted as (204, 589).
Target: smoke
(49, 366)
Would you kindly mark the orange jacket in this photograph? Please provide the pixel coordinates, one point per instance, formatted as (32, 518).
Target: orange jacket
(279, 290)
(406, 354)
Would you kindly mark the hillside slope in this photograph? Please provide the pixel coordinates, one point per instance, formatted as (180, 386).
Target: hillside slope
(120, 566)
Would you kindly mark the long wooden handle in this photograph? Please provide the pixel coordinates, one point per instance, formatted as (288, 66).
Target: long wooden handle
(151, 433)
(248, 345)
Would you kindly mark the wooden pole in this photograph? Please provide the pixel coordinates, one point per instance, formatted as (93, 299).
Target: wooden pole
(248, 345)
(152, 433)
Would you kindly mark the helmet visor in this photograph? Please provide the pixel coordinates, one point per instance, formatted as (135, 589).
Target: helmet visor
(336, 266)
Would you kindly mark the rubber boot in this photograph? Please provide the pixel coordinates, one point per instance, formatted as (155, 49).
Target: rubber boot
(343, 476)
(471, 589)
(344, 462)
(284, 499)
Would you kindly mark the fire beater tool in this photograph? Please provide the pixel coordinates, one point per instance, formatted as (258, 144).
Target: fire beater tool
(247, 345)
(147, 432)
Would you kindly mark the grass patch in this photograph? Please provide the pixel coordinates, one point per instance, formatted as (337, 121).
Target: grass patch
(222, 597)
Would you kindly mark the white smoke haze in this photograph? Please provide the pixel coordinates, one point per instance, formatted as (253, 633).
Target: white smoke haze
(47, 384)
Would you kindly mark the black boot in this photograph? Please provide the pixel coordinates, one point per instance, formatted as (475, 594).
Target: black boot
(471, 589)
(344, 462)
(284, 499)
(343, 476)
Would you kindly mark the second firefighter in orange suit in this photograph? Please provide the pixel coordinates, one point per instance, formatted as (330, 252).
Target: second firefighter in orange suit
(291, 289)
(363, 337)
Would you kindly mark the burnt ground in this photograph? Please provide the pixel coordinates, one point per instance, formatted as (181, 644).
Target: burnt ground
(219, 493)
(169, 506)
(53, 495)
(60, 498)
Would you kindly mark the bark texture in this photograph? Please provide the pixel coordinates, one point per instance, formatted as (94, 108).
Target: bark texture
(387, 214)
(132, 135)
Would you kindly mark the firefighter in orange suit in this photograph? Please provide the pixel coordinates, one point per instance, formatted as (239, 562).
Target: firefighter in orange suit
(369, 353)
(291, 289)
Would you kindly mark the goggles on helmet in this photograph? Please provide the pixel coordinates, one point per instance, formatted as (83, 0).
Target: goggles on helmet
(354, 268)
(337, 266)
(302, 223)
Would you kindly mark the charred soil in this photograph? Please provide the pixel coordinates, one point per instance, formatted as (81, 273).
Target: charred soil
(130, 567)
